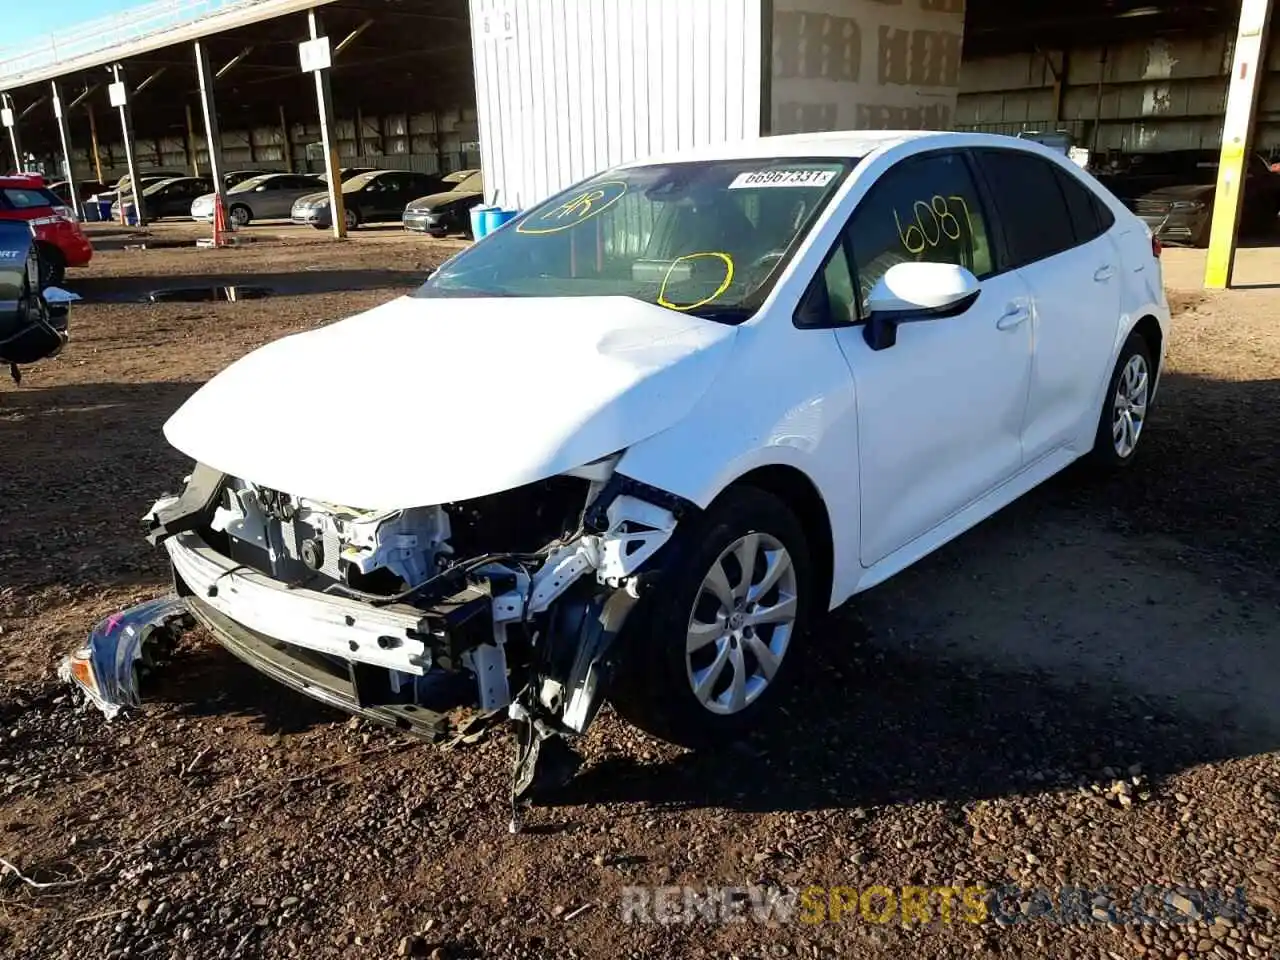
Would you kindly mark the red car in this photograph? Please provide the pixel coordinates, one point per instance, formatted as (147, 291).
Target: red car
(60, 240)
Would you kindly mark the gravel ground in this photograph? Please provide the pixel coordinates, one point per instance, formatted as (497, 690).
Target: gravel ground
(1072, 707)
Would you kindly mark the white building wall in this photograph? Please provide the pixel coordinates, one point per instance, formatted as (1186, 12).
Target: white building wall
(865, 64)
(565, 88)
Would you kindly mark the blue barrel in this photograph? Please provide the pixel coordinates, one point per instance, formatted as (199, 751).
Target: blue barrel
(495, 217)
(104, 210)
(130, 214)
(480, 220)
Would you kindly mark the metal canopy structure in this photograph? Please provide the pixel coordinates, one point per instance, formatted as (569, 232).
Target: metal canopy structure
(389, 55)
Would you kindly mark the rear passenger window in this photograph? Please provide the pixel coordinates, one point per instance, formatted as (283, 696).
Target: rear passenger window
(21, 198)
(1030, 203)
(1089, 216)
(924, 209)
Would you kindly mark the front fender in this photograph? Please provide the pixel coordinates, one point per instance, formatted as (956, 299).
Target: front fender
(787, 399)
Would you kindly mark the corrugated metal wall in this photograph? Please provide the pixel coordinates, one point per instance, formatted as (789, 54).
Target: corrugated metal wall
(1144, 96)
(568, 87)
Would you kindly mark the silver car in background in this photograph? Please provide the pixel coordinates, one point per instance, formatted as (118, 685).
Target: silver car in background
(267, 197)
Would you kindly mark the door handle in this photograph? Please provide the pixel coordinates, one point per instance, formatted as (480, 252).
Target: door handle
(1015, 315)
(1103, 274)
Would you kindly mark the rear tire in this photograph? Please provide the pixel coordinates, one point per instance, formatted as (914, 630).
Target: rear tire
(1123, 420)
(706, 653)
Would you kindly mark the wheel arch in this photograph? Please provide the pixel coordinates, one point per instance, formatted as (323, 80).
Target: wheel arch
(800, 494)
(1148, 327)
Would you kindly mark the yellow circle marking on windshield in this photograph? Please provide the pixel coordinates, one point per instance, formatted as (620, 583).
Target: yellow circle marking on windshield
(588, 202)
(728, 279)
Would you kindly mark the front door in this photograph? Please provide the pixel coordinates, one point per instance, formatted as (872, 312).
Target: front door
(940, 413)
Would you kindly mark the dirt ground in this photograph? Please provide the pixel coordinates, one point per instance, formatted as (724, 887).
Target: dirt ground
(1080, 693)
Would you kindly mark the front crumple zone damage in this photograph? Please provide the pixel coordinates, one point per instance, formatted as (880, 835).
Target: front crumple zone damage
(508, 601)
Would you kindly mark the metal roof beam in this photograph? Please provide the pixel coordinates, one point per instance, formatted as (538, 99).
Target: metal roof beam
(350, 38)
(32, 105)
(232, 62)
(147, 81)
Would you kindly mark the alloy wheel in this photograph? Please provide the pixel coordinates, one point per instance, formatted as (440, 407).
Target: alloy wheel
(1130, 407)
(742, 623)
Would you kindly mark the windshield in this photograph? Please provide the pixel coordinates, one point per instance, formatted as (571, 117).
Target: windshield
(152, 187)
(708, 238)
(358, 181)
(244, 186)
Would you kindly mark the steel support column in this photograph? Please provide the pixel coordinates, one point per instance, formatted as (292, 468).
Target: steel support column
(60, 114)
(192, 159)
(1247, 72)
(324, 102)
(14, 145)
(212, 134)
(126, 130)
(93, 142)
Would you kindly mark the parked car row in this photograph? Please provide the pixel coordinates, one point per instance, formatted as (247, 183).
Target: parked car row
(1173, 193)
(375, 196)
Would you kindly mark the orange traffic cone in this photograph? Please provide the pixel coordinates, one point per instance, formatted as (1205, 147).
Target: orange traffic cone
(219, 221)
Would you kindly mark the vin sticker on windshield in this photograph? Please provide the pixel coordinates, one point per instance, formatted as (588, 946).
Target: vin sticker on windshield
(782, 178)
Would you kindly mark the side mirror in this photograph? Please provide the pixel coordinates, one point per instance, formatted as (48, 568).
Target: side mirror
(915, 292)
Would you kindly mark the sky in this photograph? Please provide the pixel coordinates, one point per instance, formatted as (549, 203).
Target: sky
(25, 21)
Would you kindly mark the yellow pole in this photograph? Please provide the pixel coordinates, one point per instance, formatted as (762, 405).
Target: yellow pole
(1247, 72)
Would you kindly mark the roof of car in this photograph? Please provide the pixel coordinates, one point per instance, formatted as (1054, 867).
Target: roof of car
(834, 144)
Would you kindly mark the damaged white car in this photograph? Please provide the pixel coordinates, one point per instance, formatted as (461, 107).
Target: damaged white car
(632, 443)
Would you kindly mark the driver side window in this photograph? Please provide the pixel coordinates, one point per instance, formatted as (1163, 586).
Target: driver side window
(924, 209)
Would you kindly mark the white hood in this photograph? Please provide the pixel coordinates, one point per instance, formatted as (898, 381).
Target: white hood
(427, 401)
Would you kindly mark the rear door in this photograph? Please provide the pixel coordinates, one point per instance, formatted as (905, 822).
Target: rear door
(1057, 237)
(383, 192)
(940, 413)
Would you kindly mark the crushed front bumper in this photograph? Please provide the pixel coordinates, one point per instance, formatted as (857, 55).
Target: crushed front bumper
(322, 678)
(391, 637)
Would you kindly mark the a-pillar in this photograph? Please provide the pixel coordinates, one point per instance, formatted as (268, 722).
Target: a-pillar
(1247, 73)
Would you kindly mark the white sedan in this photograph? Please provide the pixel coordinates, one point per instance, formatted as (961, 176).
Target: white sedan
(634, 442)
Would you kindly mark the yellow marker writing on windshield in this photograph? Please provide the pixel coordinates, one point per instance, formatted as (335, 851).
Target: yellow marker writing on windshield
(728, 279)
(582, 206)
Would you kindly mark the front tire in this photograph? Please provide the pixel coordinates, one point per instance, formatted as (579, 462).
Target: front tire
(352, 217)
(241, 216)
(707, 652)
(1124, 411)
